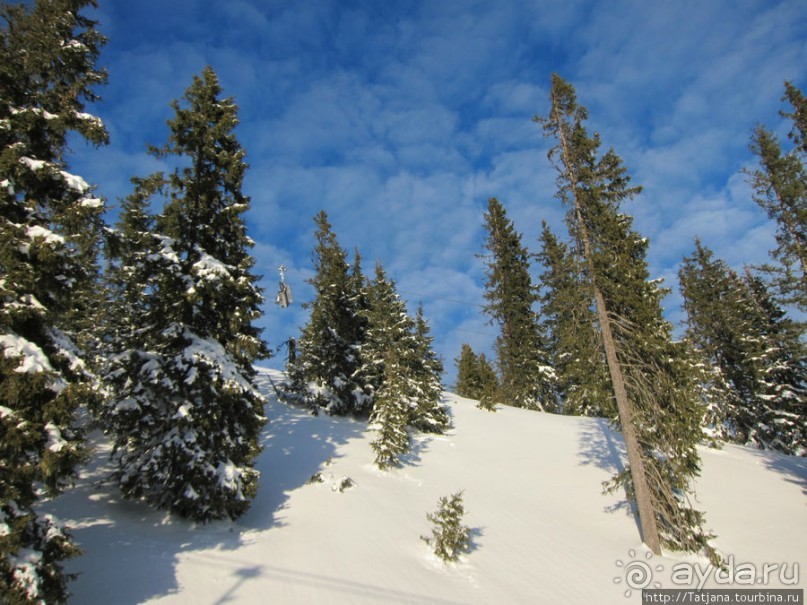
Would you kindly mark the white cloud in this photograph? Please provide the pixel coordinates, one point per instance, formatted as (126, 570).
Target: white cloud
(402, 119)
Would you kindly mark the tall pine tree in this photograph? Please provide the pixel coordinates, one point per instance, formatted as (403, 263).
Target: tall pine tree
(575, 346)
(653, 383)
(49, 229)
(185, 414)
(526, 378)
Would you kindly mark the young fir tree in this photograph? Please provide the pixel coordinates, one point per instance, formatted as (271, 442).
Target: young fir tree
(759, 371)
(49, 229)
(450, 537)
(392, 409)
(327, 369)
(184, 412)
(780, 187)
(653, 383)
(526, 379)
(575, 346)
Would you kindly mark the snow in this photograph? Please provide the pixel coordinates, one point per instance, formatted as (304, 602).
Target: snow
(33, 358)
(56, 443)
(88, 117)
(92, 202)
(33, 164)
(541, 530)
(210, 268)
(25, 571)
(74, 182)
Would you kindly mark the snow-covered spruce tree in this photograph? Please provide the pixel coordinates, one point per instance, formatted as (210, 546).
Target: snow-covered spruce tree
(759, 374)
(48, 242)
(184, 412)
(782, 422)
(427, 369)
(575, 346)
(49, 229)
(392, 409)
(390, 329)
(780, 188)
(654, 386)
(526, 379)
(327, 369)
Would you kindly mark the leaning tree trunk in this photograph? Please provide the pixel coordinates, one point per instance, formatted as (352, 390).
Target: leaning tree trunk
(644, 497)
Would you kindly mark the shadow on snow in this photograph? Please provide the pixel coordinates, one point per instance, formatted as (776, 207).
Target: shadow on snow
(295, 446)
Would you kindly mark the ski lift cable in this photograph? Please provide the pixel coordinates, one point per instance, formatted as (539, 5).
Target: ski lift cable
(432, 297)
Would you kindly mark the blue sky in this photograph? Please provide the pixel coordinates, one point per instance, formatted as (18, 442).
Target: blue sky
(400, 118)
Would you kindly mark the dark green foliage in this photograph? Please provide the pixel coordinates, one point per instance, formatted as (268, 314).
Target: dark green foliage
(49, 230)
(476, 378)
(575, 346)
(184, 413)
(780, 187)
(326, 372)
(450, 537)
(526, 379)
(662, 411)
(759, 377)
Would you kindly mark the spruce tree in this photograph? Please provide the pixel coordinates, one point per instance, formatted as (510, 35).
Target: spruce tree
(401, 368)
(392, 409)
(713, 303)
(327, 369)
(575, 346)
(780, 188)
(427, 370)
(184, 413)
(758, 366)
(654, 387)
(468, 379)
(476, 378)
(526, 379)
(49, 229)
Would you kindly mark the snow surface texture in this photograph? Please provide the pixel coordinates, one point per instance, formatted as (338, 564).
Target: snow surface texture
(328, 527)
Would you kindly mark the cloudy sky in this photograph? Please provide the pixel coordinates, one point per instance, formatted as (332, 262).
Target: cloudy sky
(400, 118)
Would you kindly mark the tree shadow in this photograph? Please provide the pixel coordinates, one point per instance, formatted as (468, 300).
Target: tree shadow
(792, 468)
(131, 551)
(602, 445)
(475, 535)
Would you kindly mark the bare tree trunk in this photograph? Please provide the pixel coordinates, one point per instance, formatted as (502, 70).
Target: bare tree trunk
(644, 497)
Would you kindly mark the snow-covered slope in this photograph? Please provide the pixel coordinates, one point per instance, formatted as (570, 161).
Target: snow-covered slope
(542, 530)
